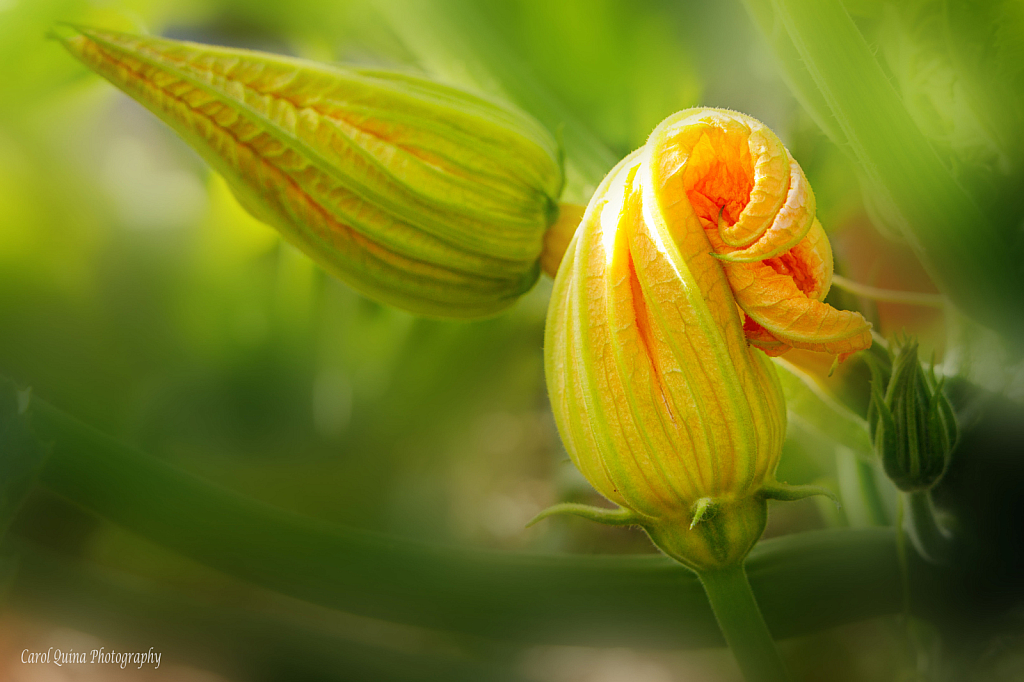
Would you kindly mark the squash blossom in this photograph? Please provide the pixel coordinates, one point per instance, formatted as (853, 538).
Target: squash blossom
(698, 256)
(416, 194)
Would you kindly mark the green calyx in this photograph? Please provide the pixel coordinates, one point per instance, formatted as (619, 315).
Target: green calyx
(913, 425)
(717, 533)
(420, 195)
(713, 534)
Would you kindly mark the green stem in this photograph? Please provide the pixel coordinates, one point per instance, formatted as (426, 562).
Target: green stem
(923, 530)
(901, 552)
(742, 624)
(872, 495)
(253, 639)
(888, 295)
(907, 631)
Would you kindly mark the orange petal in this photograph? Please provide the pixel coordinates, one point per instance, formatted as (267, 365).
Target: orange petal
(784, 296)
(789, 226)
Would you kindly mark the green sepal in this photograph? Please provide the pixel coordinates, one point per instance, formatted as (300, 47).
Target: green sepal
(880, 418)
(879, 379)
(884, 431)
(791, 493)
(609, 517)
(703, 507)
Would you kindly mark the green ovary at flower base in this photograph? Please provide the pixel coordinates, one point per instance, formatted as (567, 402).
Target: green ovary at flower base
(698, 255)
(419, 195)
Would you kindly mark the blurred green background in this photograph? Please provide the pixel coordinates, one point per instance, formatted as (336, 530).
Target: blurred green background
(138, 296)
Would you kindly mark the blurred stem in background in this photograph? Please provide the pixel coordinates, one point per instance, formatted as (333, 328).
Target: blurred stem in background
(847, 575)
(230, 640)
(932, 541)
(23, 455)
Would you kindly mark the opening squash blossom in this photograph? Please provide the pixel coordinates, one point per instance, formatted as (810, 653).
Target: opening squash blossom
(419, 195)
(697, 252)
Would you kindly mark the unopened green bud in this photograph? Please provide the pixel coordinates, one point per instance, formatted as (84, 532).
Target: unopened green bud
(912, 422)
(419, 195)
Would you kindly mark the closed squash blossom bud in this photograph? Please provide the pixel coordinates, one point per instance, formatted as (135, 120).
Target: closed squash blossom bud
(697, 251)
(419, 195)
(912, 421)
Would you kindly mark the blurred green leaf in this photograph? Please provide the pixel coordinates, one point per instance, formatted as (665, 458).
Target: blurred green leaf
(621, 68)
(860, 488)
(452, 40)
(958, 70)
(811, 407)
(527, 597)
(835, 74)
(260, 643)
(22, 454)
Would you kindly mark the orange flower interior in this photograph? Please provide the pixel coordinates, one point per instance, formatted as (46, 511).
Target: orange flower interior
(757, 211)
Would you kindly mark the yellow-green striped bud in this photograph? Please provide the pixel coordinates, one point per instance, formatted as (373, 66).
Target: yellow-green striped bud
(661, 397)
(417, 194)
(912, 422)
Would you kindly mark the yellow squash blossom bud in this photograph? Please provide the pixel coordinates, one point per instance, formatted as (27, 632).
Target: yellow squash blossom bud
(697, 252)
(417, 194)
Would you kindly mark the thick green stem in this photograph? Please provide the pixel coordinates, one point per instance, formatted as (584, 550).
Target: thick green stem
(923, 529)
(742, 624)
